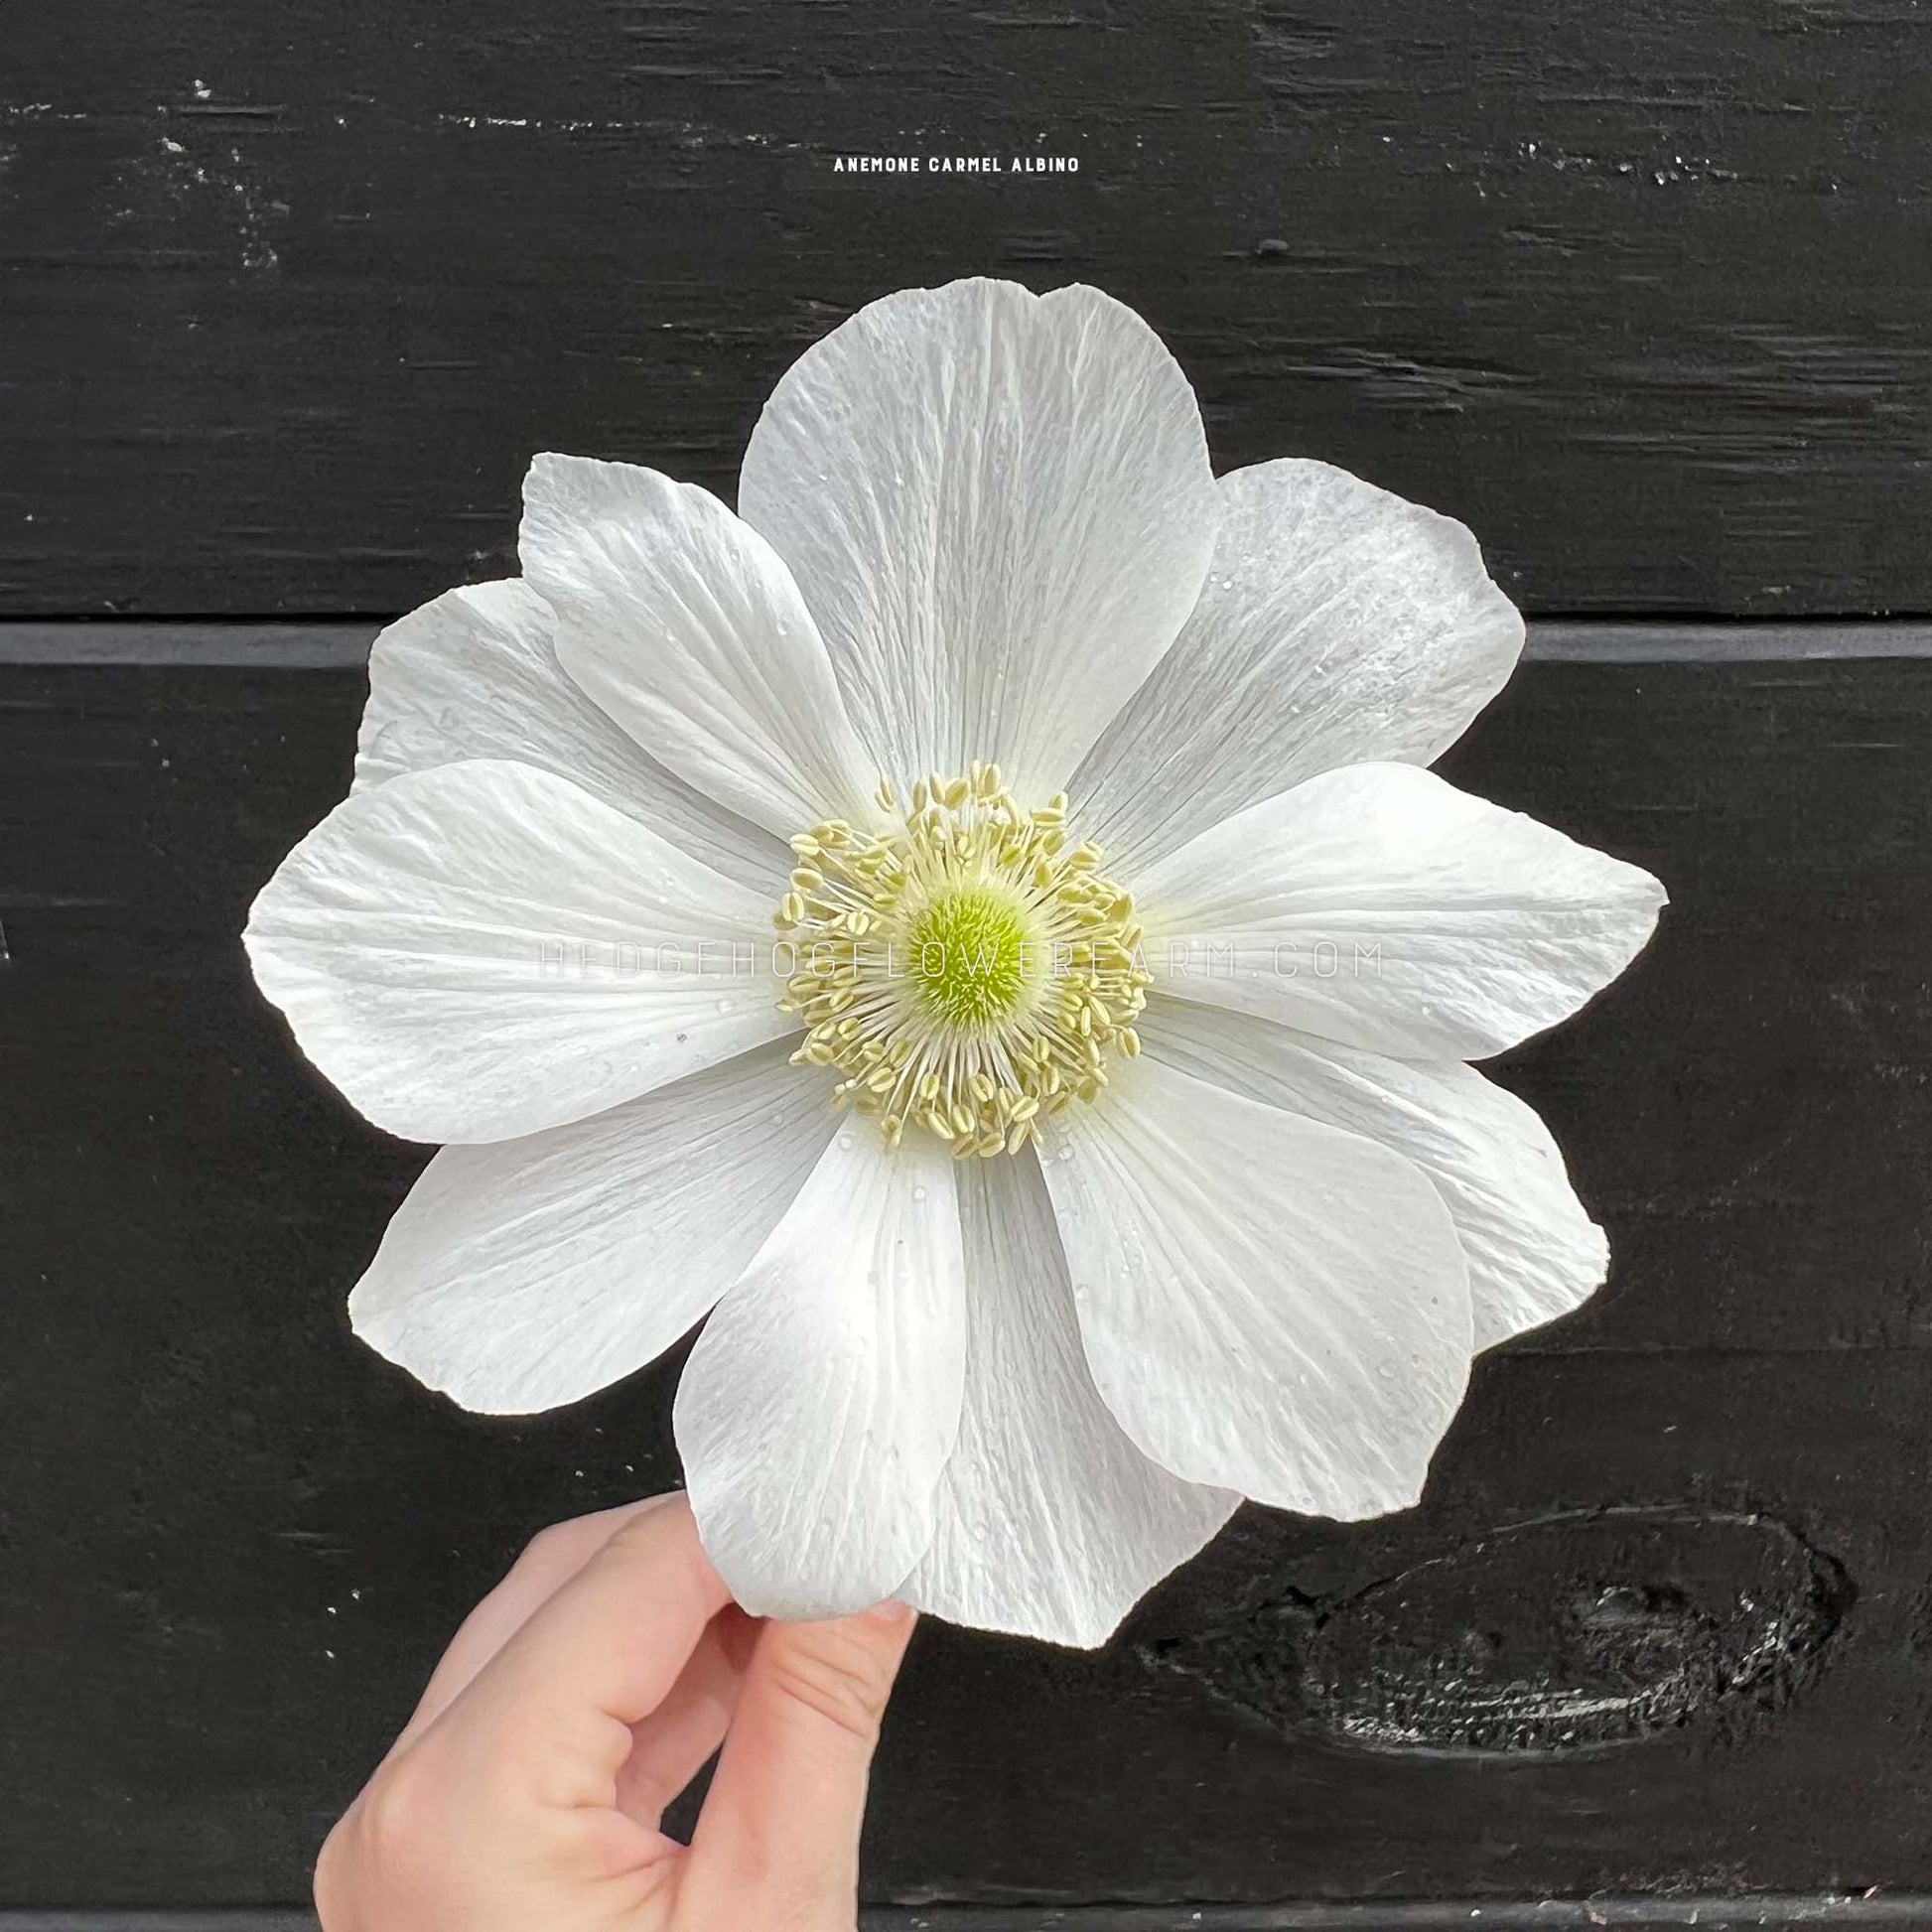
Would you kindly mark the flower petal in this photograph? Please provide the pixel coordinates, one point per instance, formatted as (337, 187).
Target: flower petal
(1381, 907)
(682, 623)
(1532, 1251)
(1267, 1304)
(1338, 623)
(1051, 1524)
(529, 1273)
(482, 950)
(999, 509)
(822, 1399)
(473, 674)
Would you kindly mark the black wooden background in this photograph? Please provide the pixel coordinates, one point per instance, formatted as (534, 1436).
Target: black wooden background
(289, 293)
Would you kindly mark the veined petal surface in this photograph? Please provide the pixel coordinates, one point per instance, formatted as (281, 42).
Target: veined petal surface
(1380, 906)
(999, 509)
(1267, 1304)
(482, 950)
(684, 624)
(1532, 1251)
(1338, 624)
(1051, 1523)
(822, 1399)
(525, 1273)
(473, 674)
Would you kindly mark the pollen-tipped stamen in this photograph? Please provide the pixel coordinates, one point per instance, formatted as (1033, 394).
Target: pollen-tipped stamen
(964, 971)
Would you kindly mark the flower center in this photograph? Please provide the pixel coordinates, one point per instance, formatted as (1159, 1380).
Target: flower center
(966, 970)
(969, 953)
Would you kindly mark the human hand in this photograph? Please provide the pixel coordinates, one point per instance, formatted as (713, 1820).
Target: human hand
(578, 1700)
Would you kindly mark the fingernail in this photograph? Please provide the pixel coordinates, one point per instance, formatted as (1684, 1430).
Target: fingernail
(891, 1614)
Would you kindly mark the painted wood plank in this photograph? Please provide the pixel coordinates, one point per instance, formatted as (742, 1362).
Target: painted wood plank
(1637, 291)
(1695, 1511)
(1756, 1912)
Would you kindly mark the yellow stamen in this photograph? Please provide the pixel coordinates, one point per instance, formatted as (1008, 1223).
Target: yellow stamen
(966, 972)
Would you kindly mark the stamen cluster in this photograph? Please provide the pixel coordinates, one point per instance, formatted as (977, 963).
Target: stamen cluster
(965, 969)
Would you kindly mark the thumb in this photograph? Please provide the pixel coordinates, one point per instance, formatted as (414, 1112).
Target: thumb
(780, 1830)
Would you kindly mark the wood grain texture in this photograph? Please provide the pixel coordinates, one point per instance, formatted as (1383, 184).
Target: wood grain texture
(1572, 1630)
(1693, 1515)
(290, 294)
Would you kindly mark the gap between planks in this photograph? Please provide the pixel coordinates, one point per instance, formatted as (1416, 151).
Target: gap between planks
(274, 644)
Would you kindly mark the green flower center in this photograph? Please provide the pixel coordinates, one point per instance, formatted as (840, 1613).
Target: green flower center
(973, 955)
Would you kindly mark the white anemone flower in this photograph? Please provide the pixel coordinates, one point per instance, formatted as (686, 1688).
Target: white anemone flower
(976, 926)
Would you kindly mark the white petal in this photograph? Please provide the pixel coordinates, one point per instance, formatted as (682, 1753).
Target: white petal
(1051, 1523)
(474, 675)
(999, 509)
(1380, 906)
(1532, 1251)
(1267, 1304)
(822, 1399)
(682, 623)
(482, 950)
(529, 1273)
(1338, 623)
